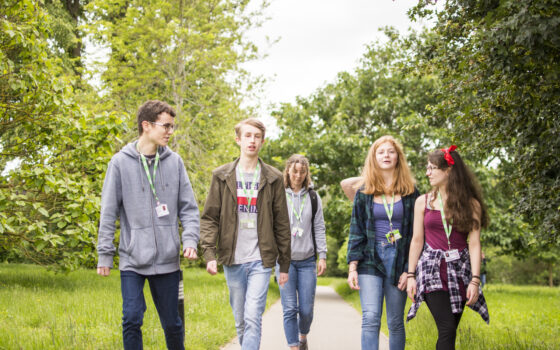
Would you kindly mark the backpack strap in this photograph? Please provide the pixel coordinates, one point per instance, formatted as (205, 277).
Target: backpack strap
(313, 197)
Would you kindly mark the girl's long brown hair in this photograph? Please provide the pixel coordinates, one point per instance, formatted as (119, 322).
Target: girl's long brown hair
(462, 187)
(297, 158)
(403, 182)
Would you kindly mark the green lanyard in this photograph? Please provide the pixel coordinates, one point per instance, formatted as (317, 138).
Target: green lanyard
(389, 209)
(249, 194)
(298, 216)
(446, 227)
(145, 163)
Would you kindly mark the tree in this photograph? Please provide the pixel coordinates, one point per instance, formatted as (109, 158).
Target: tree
(185, 52)
(28, 96)
(67, 16)
(498, 63)
(63, 133)
(337, 124)
(49, 204)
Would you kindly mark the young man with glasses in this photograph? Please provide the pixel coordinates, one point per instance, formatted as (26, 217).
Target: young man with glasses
(246, 227)
(147, 188)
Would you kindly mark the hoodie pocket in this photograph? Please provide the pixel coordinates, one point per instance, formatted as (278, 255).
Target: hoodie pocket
(142, 249)
(168, 245)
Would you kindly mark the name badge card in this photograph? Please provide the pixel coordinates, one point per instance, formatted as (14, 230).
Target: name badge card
(248, 224)
(298, 231)
(451, 255)
(393, 236)
(162, 210)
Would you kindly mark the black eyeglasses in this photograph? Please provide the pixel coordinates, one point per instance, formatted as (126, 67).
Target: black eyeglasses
(168, 127)
(429, 168)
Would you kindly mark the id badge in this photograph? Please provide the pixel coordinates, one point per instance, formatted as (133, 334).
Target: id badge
(393, 236)
(390, 237)
(162, 210)
(247, 223)
(451, 255)
(298, 231)
(250, 223)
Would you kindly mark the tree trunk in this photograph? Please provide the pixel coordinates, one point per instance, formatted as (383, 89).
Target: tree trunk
(74, 8)
(550, 275)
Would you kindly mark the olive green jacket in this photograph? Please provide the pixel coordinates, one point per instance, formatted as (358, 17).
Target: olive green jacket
(219, 221)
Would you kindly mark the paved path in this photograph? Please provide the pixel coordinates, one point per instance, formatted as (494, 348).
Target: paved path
(336, 325)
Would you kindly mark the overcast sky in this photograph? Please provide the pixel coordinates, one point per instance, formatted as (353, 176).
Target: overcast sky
(318, 39)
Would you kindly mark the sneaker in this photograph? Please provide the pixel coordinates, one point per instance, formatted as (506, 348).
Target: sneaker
(303, 345)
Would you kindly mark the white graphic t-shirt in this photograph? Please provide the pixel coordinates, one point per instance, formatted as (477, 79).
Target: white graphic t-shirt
(247, 247)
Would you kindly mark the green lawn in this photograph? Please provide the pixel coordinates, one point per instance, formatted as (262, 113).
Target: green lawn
(81, 310)
(43, 310)
(521, 317)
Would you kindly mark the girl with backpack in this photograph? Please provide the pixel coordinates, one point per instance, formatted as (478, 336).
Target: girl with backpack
(309, 243)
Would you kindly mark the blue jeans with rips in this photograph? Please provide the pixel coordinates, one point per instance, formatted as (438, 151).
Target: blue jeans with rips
(248, 287)
(372, 291)
(298, 297)
(165, 294)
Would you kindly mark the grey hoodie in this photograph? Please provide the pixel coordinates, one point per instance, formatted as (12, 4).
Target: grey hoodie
(302, 247)
(148, 244)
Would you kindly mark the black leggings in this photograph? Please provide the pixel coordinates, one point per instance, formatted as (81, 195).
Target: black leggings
(446, 321)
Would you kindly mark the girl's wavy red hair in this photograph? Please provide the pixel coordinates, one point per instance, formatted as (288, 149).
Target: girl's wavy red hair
(403, 181)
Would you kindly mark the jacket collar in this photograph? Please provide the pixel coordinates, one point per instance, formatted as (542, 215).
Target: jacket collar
(229, 175)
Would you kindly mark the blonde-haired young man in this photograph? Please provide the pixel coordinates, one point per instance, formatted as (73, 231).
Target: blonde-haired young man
(245, 226)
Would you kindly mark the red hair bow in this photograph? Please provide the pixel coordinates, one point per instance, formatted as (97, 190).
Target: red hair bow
(447, 154)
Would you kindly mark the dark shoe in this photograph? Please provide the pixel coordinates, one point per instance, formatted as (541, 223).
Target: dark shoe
(303, 345)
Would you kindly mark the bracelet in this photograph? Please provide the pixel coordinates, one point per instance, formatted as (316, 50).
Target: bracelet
(411, 277)
(475, 276)
(411, 273)
(475, 283)
(352, 270)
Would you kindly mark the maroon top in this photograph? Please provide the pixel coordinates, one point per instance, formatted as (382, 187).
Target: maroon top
(434, 234)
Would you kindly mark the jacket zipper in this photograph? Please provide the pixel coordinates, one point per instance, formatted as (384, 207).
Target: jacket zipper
(235, 232)
(154, 231)
(233, 244)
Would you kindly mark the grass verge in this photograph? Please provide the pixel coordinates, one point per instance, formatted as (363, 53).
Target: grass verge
(521, 317)
(81, 310)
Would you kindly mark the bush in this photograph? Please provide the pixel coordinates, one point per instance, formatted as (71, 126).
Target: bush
(513, 270)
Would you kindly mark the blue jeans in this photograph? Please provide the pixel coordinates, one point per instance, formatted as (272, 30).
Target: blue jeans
(298, 296)
(372, 290)
(248, 287)
(165, 294)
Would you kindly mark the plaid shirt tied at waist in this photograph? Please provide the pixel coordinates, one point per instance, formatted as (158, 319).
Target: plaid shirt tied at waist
(429, 280)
